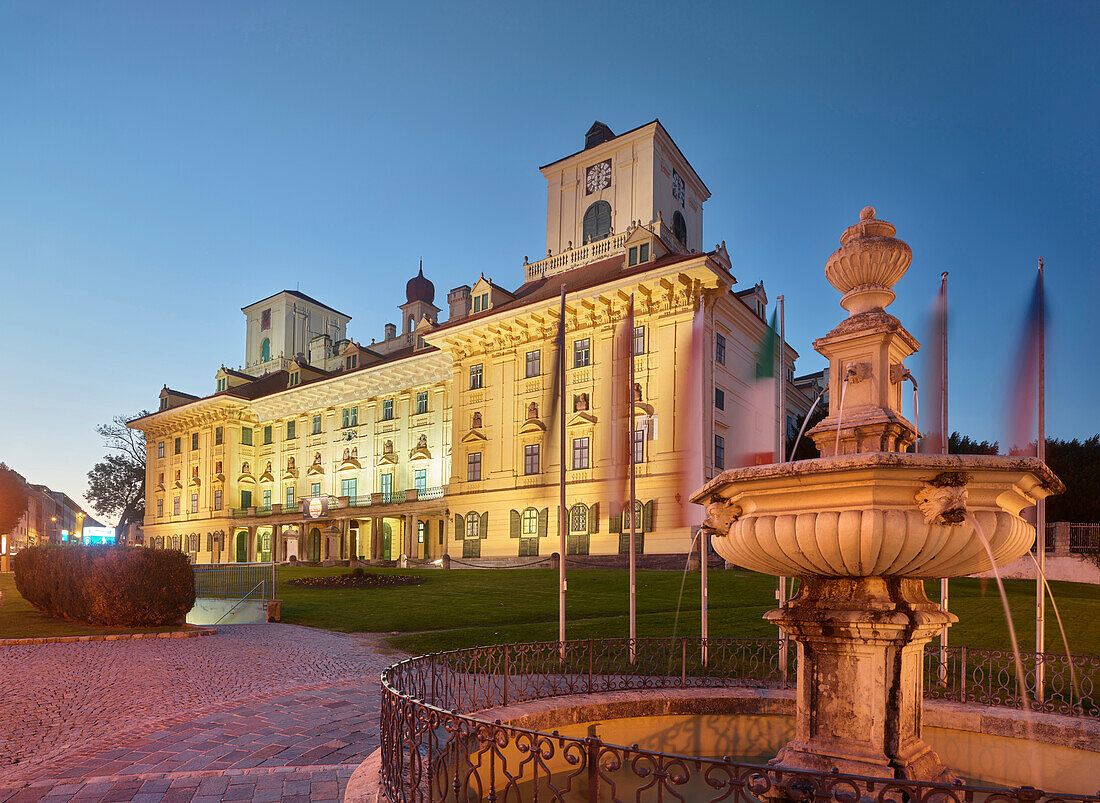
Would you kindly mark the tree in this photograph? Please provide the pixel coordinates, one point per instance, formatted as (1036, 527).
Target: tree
(964, 444)
(116, 485)
(13, 499)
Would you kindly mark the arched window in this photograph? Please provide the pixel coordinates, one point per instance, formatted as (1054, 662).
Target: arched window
(578, 518)
(530, 521)
(597, 222)
(265, 350)
(473, 526)
(679, 228)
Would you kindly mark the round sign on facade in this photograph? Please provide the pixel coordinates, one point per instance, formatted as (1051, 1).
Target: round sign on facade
(315, 508)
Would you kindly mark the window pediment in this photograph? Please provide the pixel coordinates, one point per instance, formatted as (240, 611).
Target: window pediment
(349, 464)
(246, 479)
(420, 453)
(291, 474)
(387, 459)
(532, 426)
(474, 436)
(316, 468)
(582, 419)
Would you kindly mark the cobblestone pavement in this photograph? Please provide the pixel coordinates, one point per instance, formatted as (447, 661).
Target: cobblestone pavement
(262, 712)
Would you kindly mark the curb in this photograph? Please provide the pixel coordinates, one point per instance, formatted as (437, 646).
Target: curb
(365, 784)
(15, 642)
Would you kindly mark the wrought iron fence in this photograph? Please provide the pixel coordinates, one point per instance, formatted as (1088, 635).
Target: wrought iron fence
(436, 748)
(234, 580)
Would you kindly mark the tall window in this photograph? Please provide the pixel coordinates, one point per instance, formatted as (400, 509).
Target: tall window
(175, 506)
(582, 352)
(160, 449)
(315, 489)
(531, 459)
(420, 480)
(265, 350)
(719, 348)
(289, 496)
(176, 446)
(160, 508)
(194, 503)
(194, 441)
(530, 521)
(720, 398)
(386, 481)
(291, 426)
(580, 453)
(679, 228)
(218, 499)
(267, 499)
(475, 376)
(719, 451)
(348, 487)
(387, 409)
(316, 425)
(218, 436)
(639, 340)
(246, 436)
(533, 363)
(269, 434)
(422, 402)
(473, 526)
(639, 446)
(349, 417)
(597, 222)
(473, 467)
(578, 518)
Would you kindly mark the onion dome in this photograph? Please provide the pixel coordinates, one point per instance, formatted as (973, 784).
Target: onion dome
(419, 288)
(868, 263)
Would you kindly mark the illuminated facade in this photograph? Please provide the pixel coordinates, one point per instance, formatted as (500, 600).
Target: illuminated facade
(439, 438)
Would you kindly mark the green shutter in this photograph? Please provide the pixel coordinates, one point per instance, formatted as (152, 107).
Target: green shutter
(484, 525)
(615, 520)
(460, 527)
(594, 518)
(647, 517)
(516, 524)
(544, 520)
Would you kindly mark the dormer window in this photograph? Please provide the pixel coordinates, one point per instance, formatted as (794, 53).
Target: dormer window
(295, 378)
(351, 361)
(481, 302)
(638, 254)
(221, 384)
(597, 222)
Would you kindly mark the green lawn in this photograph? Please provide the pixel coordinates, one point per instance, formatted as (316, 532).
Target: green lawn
(465, 607)
(19, 619)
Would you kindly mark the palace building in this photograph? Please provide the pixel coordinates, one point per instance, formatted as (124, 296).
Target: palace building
(441, 438)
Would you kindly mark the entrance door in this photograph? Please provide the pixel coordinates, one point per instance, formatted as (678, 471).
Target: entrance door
(242, 546)
(387, 534)
(313, 548)
(353, 543)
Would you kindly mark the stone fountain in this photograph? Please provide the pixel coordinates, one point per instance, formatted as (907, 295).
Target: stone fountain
(863, 527)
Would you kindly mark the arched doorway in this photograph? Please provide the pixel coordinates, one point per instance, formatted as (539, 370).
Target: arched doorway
(242, 546)
(387, 536)
(313, 547)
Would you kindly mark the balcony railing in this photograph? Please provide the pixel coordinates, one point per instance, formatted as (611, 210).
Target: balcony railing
(575, 257)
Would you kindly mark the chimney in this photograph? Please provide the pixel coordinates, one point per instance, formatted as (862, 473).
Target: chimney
(391, 331)
(459, 301)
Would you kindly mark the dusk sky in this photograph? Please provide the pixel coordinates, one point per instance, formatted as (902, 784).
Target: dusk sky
(163, 165)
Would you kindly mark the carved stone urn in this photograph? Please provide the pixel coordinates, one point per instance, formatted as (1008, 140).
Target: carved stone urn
(863, 527)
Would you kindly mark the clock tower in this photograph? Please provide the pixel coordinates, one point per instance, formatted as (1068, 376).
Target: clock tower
(639, 177)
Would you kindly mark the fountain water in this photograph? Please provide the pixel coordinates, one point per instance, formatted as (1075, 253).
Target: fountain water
(862, 527)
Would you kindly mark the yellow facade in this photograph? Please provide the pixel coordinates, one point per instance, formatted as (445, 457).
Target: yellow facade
(438, 456)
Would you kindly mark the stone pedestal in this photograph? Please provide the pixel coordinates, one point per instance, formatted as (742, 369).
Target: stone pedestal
(860, 679)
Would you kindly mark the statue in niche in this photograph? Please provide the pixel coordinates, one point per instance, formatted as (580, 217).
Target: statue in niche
(218, 467)
(637, 391)
(532, 411)
(316, 458)
(195, 471)
(354, 452)
(290, 464)
(244, 467)
(422, 442)
(580, 403)
(268, 469)
(347, 453)
(477, 421)
(387, 447)
(178, 474)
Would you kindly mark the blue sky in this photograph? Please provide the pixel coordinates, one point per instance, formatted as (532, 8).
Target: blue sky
(163, 165)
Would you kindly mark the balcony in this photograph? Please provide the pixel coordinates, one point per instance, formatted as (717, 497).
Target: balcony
(575, 257)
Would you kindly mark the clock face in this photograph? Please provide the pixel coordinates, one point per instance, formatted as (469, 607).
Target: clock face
(677, 187)
(598, 177)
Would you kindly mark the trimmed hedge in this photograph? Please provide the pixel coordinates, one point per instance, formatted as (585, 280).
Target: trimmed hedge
(106, 585)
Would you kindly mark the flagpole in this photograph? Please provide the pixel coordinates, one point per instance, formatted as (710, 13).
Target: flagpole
(781, 437)
(632, 446)
(562, 523)
(1041, 506)
(944, 445)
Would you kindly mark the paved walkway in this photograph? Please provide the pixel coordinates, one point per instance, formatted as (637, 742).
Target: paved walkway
(260, 712)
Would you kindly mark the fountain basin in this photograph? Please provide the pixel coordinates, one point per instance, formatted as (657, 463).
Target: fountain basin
(884, 514)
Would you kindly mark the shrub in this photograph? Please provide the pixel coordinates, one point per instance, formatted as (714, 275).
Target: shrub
(106, 585)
